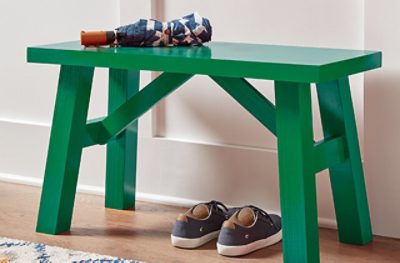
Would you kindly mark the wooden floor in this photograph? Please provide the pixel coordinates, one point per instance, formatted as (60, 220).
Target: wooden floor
(144, 234)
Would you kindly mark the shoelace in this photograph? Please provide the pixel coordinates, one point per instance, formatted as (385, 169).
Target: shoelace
(263, 213)
(217, 206)
(213, 204)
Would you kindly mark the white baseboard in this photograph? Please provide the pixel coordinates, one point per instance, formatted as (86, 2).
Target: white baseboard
(148, 197)
(190, 163)
(96, 190)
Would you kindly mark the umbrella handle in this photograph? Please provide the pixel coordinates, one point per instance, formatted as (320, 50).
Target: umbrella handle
(97, 38)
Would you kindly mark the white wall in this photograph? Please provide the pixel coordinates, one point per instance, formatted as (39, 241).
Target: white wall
(382, 121)
(201, 113)
(205, 145)
(327, 24)
(27, 91)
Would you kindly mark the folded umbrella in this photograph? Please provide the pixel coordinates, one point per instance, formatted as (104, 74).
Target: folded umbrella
(189, 30)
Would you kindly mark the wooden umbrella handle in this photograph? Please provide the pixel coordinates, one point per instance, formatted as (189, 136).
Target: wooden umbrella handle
(97, 38)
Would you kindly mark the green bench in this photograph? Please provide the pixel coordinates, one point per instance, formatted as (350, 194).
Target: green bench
(228, 64)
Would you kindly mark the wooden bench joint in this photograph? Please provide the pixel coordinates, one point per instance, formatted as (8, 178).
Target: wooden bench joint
(329, 152)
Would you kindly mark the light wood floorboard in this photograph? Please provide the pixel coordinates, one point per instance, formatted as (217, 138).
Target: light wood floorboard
(144, 234)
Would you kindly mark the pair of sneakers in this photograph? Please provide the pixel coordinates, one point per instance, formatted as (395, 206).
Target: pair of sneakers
(240, 230)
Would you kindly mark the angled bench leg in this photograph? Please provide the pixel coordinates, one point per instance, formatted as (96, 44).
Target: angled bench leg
(65, 149)
(296, 172)
(347, 178)
(121, 150)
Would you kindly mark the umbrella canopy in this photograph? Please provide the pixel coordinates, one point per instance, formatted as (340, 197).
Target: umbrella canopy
(189, 30)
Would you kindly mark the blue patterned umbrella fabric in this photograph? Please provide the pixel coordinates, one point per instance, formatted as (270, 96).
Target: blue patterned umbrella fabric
(189, 30)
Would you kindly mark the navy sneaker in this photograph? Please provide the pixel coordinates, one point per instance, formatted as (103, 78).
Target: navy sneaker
(199, 224)
(247, 230)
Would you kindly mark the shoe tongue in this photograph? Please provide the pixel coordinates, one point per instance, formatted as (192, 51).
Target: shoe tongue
(246, 216)
(200, 211)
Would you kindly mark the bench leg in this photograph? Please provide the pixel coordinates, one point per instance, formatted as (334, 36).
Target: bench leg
(347, 178)
(296, 172)
(65, 149)
(121, 150)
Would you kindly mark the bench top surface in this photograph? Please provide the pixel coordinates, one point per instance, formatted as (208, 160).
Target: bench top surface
(288, 63)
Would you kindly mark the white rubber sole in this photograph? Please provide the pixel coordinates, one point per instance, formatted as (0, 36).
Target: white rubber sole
(193, 242)
(246, 249)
